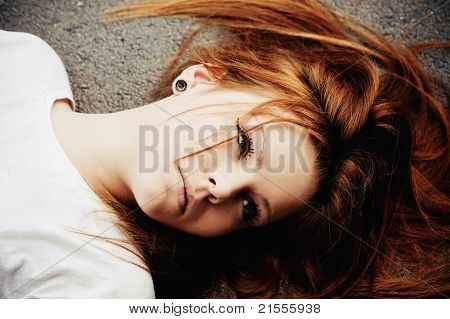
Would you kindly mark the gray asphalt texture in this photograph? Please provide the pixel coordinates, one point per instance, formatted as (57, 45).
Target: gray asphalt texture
(113, 67)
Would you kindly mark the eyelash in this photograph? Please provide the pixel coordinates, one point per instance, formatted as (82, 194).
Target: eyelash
(254, 218)
(247, 140)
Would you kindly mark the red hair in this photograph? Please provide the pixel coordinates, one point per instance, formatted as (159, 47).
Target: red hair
(378, 225)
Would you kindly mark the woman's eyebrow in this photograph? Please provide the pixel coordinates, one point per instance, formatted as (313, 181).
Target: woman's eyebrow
(261, 158)
(267, 208)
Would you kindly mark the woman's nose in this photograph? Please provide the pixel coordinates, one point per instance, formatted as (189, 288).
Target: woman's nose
(220, 190)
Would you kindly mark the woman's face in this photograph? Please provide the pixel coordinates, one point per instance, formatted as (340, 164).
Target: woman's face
(255, 178)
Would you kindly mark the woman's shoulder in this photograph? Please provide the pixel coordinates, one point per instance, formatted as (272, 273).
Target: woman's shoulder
(23, 45)
(29, 67)
(60, 264)
(127, 280)
(11, 39)
(26, 59)
(116, 261)
(16, 35)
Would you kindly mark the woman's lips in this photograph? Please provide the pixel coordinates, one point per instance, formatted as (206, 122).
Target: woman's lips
(184, 193)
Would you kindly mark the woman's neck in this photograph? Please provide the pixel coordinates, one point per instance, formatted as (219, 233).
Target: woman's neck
(100, 145)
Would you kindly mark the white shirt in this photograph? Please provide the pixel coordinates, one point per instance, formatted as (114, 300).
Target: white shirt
(43, 198)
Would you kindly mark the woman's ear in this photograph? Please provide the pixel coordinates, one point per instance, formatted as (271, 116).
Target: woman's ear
(197, 74)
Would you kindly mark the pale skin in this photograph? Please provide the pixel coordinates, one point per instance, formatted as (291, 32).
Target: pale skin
(231, 186)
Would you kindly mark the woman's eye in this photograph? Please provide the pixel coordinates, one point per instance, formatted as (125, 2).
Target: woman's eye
(250, 212)
(244, 142)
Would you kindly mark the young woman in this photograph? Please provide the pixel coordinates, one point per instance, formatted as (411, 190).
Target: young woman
(306, 146)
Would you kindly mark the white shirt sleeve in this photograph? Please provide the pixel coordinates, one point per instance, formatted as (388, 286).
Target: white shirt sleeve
(28, 65)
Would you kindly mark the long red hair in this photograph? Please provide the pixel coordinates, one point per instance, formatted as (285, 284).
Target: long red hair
(378, 226)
